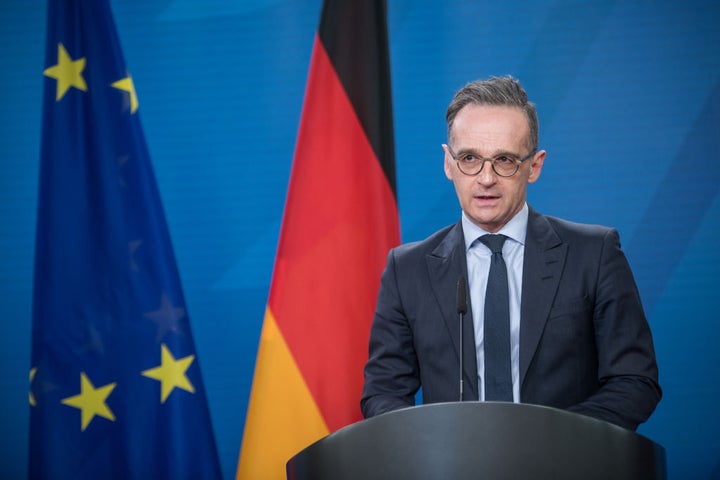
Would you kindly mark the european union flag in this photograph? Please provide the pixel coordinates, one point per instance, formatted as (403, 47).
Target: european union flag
(116, 390)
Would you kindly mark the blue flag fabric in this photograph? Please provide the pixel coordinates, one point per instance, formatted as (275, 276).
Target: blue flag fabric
(115, 385)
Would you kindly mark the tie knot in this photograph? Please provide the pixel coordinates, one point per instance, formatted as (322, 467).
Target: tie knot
(494, 242)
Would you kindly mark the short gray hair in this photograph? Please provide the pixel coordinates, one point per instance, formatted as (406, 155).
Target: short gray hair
(501, 91)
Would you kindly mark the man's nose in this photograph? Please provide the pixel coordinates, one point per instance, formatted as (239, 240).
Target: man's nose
(487, 175)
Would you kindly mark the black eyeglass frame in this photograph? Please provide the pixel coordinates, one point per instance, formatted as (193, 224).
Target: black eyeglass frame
(492, 161)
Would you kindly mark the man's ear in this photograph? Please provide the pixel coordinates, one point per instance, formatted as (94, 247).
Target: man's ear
(447, 162)
(538, 161)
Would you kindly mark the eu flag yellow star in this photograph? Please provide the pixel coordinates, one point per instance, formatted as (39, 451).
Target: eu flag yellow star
(67, 72)
(91, 401)
(171, 373)
(126, 85)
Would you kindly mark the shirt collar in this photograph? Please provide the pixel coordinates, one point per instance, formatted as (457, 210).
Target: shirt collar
(516, 228)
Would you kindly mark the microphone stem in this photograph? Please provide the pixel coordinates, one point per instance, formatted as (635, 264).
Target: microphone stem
(461, 303)
(462, 354)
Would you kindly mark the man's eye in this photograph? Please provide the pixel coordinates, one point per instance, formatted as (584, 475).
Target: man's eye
(468, 158)
(504, 160)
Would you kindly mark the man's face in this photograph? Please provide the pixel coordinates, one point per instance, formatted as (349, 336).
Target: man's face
(488, 199)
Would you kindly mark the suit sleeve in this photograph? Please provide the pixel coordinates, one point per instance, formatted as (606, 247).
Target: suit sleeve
(391, 373)
(627, 369)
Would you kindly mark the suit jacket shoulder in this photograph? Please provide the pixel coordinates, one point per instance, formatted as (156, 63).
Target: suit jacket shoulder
(569, 231)
(427, 245)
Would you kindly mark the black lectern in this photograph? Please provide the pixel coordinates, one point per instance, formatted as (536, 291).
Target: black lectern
(474, 440)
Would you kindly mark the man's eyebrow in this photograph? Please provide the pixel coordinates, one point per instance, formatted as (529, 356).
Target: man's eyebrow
(497, 153)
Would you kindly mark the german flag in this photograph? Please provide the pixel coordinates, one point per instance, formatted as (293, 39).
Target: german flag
(340, 220)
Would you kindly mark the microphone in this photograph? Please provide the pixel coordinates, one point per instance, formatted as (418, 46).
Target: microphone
(461, 302)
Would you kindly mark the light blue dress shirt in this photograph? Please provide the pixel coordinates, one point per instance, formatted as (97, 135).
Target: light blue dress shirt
(478, 264)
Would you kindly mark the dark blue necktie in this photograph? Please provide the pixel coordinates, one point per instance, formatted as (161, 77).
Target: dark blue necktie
(498, 378)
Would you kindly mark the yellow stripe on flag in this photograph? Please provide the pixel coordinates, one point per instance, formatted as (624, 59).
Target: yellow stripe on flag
(278, 398)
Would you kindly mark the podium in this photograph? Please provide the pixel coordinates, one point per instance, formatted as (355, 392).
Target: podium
(480, 440)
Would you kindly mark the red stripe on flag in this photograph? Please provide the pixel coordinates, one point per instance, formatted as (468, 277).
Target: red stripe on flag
(340, 220)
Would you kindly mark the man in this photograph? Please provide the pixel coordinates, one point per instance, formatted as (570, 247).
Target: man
(574, 334)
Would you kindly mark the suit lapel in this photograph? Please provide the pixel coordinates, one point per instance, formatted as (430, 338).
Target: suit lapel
(446, 263)
(542, 267)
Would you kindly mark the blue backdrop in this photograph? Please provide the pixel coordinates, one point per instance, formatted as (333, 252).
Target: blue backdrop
(628, 94)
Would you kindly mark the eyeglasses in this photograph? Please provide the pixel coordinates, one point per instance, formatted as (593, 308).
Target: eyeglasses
(505, 165)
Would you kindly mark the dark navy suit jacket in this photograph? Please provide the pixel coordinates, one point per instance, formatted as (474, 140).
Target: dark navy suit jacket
(585, 344)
